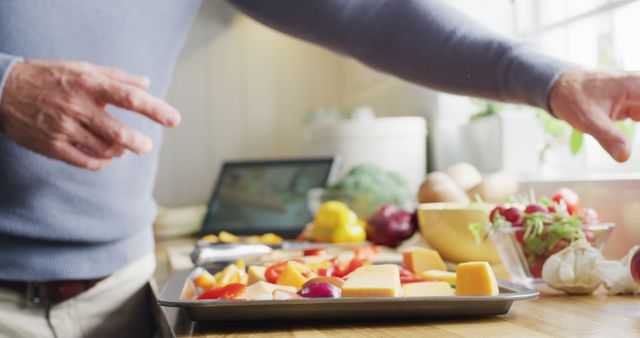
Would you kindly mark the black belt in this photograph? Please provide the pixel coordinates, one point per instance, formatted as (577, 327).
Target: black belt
(50, 292)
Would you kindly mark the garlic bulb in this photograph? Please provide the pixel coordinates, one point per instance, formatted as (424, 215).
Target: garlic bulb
(616, 275)
(572, 269)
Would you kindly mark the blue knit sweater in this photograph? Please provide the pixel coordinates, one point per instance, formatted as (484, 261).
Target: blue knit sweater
(61, 222)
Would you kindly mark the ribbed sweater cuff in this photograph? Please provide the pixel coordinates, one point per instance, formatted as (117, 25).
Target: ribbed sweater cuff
(6, 62)
(531, 75)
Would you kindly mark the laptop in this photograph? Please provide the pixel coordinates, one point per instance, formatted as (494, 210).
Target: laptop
(257, 197)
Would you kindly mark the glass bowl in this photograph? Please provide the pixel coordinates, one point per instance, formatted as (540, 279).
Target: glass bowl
(526, 268)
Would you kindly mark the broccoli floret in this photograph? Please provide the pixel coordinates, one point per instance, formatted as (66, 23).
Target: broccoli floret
(367, 187)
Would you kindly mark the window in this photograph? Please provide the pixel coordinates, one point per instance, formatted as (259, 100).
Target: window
(591, 33)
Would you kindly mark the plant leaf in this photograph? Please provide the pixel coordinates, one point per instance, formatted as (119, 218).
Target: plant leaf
(474, 228)
(577, 138)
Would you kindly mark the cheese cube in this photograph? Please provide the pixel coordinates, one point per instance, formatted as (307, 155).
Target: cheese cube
(373, 281)
(292, 276)
(476, 279)
(427, 289)
(420, 259)
(439, 275)
(263, 291)
(230, 274)
(256, 273)
(204, 279)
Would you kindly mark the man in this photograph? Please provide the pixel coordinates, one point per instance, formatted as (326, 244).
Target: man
(76, 244)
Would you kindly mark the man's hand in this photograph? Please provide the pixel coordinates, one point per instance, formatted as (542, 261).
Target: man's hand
(592, 101)
(58, 109)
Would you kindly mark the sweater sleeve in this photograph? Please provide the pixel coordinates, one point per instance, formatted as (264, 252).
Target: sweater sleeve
(6, 62)
(423, 41)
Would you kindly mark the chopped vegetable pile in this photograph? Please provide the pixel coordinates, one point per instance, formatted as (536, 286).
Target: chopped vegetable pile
(317, 275)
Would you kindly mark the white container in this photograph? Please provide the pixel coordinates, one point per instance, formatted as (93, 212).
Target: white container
(392, 143)
(505, 141)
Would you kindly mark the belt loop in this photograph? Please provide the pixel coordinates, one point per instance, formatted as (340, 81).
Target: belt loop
(32, 296)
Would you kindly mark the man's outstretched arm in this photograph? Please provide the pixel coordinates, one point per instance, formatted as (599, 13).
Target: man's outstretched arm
(422, 41)
(429, 43)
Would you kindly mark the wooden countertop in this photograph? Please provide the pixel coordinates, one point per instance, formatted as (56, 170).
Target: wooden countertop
(550, 315)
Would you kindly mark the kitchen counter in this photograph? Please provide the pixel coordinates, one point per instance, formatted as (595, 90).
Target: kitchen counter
(551, 315)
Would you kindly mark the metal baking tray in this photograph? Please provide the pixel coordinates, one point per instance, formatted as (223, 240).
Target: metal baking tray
(341, 308)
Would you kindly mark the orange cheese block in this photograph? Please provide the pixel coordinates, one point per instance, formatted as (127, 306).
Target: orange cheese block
(420, 259)
(373, 281)
(476, 279)
(427, 289)
(439, 275)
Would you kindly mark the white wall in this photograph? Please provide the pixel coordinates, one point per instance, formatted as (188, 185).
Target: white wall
(243, 90)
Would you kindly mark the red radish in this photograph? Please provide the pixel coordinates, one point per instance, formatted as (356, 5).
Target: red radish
(561, 244)
(534, 208)
(536, 269)
(569, 198)
(514, 216)
(499, 209)
(519, 233)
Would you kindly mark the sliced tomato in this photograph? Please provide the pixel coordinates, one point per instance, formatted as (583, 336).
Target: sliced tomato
(214, 293)
(233, 290)
(326, 272)
(227, 292)
(354, 264)
(406, 272)
(410, 279)
(314, 252)
(275, 270)
(367, 252)
(333, 266)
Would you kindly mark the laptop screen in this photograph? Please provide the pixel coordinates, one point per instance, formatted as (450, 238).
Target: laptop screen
(269, 196)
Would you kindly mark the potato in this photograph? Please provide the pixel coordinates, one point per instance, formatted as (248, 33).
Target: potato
(439, 187)
(465, 175)
(496, 188)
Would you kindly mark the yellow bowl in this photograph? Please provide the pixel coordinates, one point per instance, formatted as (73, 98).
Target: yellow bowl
(445, 226)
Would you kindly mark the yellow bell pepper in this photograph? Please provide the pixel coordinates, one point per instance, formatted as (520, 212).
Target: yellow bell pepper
(335, 222)
(348, 233)
(334, 213)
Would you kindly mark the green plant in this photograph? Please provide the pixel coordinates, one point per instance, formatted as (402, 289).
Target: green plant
(490, 109)
(561, 132)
